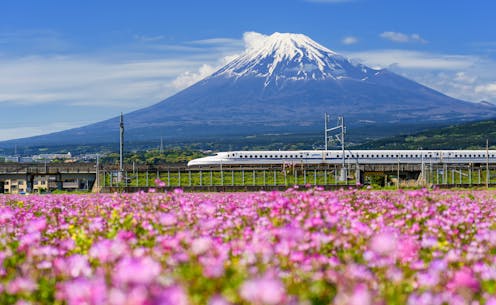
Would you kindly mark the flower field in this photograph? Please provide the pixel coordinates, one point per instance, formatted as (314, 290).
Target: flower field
(296, 247)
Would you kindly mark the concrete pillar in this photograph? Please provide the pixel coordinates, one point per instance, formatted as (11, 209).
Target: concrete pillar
(358, 174)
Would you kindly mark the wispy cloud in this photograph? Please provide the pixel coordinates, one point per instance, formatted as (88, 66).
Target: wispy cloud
(349, 40)
(144, 38)
(489, 89)
(402, 38)
(461, 76)
(73, 80)
(219, 41)
(33, 41)
(414, 59)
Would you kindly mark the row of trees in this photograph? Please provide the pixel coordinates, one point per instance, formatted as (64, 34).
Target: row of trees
(154, 156)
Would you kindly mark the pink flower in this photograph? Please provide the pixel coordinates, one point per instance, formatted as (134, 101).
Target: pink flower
(5, 215)
(136, 271)
(36, 225)
(383, 243)
(201, 245)
(108, 250)
(491, 301)
(159, 183)
(360, 296)
(263, 290)
(29, 240)
(78, 266)
(83, 291)
(167, 219)
(174, 295)
(464, 279)
(407, 249)
(21, 284)
(218, 300)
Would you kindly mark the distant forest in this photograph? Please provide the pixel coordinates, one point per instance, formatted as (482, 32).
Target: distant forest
(471, 135)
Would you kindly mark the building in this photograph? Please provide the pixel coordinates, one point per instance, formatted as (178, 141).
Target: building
(51, 157)
(15, 186)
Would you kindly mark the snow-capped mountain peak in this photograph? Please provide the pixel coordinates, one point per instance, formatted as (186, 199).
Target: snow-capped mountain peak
(288, 56)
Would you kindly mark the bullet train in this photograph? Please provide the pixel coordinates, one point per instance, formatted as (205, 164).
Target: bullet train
(350, 156)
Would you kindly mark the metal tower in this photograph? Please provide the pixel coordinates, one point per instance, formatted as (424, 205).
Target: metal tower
(340, 138)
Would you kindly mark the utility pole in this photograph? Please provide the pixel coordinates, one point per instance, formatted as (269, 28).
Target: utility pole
(97, 180)
(326, 119)
(487, 163)
(161, 145)
(121, 149)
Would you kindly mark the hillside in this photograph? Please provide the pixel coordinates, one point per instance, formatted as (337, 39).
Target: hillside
(460, 136)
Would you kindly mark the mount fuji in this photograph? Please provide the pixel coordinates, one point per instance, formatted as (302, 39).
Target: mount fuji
(285, 84)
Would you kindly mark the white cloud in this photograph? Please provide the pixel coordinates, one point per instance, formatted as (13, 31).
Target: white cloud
(402, 38)
(218, 41)
(188, 78)
(414, 59)
(253, 40)
(349, 40)
(489, 89)
(461, 76)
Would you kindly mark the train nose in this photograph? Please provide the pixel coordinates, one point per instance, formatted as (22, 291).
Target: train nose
(203, 161)
(196, 162)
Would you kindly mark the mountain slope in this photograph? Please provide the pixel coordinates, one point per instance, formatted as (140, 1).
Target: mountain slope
(283, 85)
(471, 135)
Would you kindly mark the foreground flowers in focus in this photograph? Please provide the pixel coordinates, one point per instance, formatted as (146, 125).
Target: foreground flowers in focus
(306, 247)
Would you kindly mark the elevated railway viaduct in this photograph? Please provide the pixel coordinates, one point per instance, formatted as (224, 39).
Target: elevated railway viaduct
(83, 176)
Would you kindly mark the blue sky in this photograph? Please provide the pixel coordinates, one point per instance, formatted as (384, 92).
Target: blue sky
(69, 63)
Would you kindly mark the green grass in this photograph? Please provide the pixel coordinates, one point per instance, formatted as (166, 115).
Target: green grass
(228, 177)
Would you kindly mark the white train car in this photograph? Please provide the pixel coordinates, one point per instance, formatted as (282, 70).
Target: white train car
(350, 156)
